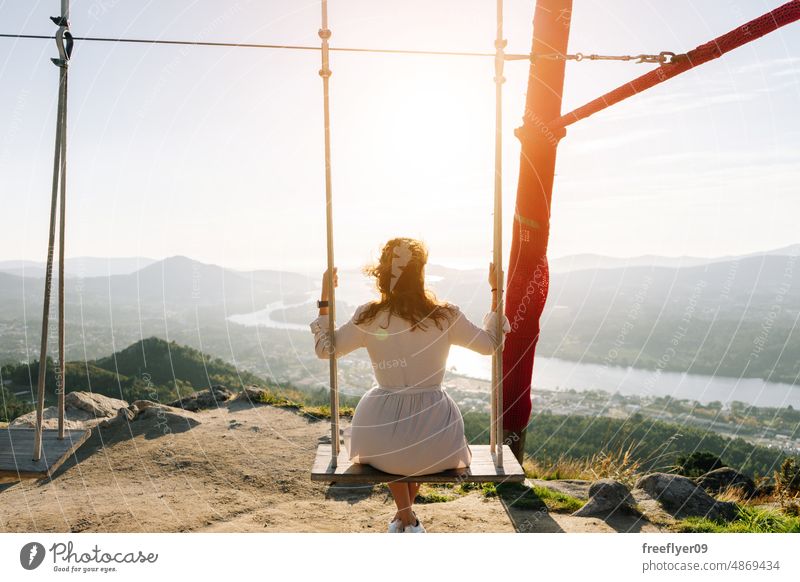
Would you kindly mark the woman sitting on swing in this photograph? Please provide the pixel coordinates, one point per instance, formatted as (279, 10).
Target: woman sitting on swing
(407, 425)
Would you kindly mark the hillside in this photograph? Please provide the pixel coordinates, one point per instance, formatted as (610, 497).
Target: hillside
(151, 368)
(154, 369)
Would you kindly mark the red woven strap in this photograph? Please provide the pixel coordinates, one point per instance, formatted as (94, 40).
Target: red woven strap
(769, 22)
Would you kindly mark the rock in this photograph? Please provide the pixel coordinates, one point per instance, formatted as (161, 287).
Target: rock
(139, 405)
(682, 498)
(765, 490)
(175, 419)
(81, 410)
(151, 419)
(208, 398)
(123, 415)
(97, 404)
(717, 480)
(252, 393)
(607, 496)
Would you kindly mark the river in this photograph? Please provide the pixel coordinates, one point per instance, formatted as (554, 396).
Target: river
(557, 374)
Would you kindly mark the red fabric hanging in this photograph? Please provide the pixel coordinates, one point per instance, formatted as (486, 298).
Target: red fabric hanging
(528, 275)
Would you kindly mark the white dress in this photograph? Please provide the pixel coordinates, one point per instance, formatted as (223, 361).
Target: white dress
(408, 424)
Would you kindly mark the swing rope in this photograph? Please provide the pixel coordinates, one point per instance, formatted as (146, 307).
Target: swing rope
(64, 43)
(496, 428)
(496, 436)
(325, 73)
(748, 32)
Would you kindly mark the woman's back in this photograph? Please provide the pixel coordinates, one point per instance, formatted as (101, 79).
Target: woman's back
(402, 357)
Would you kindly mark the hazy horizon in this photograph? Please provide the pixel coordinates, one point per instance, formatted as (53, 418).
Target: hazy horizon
(432, 259)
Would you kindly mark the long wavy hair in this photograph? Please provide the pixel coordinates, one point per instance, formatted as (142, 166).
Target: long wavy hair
(400, 280)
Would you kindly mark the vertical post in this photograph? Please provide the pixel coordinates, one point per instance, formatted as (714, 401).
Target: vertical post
(62, 378)
(59, 180)
(325, 73)
(497, 357)
(528, 277)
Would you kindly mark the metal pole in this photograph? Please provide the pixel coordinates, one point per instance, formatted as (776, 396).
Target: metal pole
(58, 180)
(61, 384)
(325, 73)
(497, 358)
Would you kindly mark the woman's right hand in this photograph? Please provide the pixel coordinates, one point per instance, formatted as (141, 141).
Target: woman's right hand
(492, 276)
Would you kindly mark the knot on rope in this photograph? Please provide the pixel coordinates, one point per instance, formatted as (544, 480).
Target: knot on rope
(500, 44)
(324, 33)
(325, 73)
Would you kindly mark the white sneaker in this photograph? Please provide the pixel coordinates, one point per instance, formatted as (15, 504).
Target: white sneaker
(418, 528)
(396, 526)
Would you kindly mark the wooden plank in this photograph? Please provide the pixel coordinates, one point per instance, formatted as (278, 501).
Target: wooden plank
(482, 469)
(16, 452)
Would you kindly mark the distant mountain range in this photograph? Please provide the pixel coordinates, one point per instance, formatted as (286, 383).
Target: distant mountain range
(591, 261)
(79, 266)
(106, 266)
(729, 316)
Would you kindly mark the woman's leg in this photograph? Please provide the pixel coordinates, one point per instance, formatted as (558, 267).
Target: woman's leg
(403, 502)
(413, 489)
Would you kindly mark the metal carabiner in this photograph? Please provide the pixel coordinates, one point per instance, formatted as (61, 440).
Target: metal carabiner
(667, 57)
(64, 41)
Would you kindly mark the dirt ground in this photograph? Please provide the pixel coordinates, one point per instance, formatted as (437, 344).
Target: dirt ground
(241, 469)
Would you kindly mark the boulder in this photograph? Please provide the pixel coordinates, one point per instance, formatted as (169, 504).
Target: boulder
(208, 398)
(683, 498)
(152, 419)
(252, 393)
(718, 480)
(607, 496)
(765, 490)
(167, 418)
(97, 404)
(81, 410)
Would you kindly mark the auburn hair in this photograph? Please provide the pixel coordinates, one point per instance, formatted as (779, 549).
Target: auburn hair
(400, 279)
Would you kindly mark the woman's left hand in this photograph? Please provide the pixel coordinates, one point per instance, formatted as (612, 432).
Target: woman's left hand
(325, 289)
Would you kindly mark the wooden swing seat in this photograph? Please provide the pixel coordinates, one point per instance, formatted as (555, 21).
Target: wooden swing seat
(16, 446)
(482, 469)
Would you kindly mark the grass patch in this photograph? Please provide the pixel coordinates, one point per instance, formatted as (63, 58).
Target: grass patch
(319, 412)
(749, 520)
(324, 411)
(561, 468)
(557, 501)
(621, 464)
(436, 493)
(520, 496)
(487, 489)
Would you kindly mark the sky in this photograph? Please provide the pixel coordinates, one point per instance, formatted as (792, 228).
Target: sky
(217, 153)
